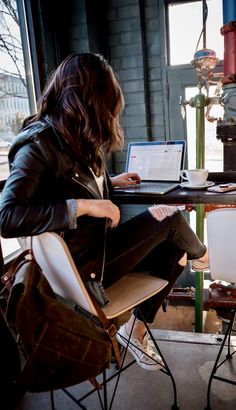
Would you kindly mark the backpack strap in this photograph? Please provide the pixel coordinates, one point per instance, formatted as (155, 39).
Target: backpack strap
(110, 328)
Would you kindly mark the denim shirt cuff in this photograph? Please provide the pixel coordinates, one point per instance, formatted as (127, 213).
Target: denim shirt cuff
(72, 213)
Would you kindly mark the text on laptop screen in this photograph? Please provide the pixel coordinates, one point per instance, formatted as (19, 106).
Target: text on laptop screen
(160, 161)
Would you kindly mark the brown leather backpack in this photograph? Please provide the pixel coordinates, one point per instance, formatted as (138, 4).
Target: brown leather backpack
(63, 347)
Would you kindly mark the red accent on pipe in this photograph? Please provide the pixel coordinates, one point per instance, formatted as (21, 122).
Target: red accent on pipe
(229, 33)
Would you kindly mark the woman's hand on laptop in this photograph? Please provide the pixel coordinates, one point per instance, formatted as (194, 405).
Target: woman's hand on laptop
(126, 179)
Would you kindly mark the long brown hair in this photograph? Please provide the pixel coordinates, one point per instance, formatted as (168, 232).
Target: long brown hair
(83, 101)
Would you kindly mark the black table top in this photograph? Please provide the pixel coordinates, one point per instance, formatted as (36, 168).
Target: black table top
(185, 195)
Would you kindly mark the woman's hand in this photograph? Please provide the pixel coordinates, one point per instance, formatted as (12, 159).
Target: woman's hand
(99, 208)
(126, 179)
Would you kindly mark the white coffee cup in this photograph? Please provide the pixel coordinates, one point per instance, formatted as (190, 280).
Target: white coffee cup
(195, 177)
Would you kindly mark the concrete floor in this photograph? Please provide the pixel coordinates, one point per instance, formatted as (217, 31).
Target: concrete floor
(190, 357)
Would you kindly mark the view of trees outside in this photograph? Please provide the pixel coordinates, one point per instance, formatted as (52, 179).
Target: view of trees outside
(14, 105)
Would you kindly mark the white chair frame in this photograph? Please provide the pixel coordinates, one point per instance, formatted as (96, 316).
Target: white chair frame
(221, 233)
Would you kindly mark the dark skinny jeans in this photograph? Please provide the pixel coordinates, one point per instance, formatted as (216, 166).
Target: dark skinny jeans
(146, 244)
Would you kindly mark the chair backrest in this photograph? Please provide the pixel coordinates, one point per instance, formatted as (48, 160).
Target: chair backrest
(221, 238)
(54, 258)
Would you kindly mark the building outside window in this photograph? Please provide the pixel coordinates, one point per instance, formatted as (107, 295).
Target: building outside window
(14, 107)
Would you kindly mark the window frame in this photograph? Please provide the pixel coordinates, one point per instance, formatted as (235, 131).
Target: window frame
(33, 86)
(29, 52)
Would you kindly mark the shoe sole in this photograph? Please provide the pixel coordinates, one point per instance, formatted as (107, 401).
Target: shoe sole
(154, 367)
(200, 269)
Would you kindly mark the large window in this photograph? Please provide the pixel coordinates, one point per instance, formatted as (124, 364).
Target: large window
(14, 85)
(186, 36)
(14, 97)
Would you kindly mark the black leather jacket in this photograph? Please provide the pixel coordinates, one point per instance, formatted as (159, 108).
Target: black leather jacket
(44, 174)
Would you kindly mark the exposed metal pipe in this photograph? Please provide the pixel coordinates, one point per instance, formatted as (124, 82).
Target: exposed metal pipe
(204, 19)
(229, 32)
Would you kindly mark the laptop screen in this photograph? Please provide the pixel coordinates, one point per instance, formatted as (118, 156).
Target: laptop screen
(156, 160)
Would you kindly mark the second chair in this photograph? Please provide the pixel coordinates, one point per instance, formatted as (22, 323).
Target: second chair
(221, 233)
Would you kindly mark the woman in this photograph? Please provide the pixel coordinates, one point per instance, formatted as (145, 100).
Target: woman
(58, 182)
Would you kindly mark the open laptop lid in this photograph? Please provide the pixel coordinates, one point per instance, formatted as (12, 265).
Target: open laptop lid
(156, 161)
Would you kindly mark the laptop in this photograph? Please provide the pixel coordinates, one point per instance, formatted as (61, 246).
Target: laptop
(158, 163)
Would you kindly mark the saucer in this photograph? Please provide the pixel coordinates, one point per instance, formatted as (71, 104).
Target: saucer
(207, 184)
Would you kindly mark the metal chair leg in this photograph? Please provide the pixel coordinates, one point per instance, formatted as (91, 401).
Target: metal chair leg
(118, 373)
(229, 355)
(52, 400)
(216, 366)
(165, 369)
(105, 402)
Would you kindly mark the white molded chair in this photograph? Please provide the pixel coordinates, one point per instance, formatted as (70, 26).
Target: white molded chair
(221, 237)
(53, 255)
